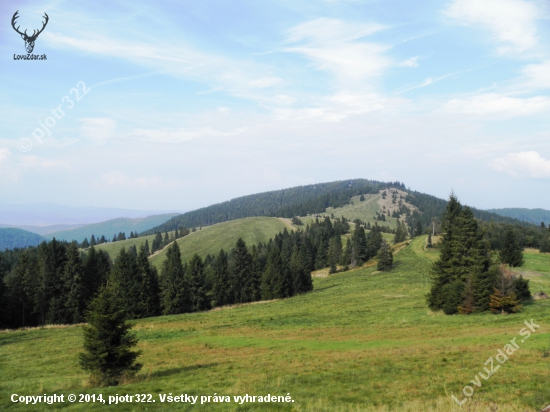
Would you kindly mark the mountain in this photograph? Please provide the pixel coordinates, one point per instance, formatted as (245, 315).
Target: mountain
(311, 199)
(11, 238)
(528, 215)
(44, 230)
(45, 214)
(110, 227)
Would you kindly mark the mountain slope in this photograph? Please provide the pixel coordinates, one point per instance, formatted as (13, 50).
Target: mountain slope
(528, 215)
(110, 227)
(224, 235)
(11, 238)
(295, 201)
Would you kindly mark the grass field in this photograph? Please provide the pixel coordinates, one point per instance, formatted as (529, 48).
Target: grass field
(113, 248)
(224, 235)
(361, 341)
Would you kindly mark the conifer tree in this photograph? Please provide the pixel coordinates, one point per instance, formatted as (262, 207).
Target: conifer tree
(22, 292)
(108, 342)
(221, 287)
(521, 288)
(92, 241)
(51, 293)
(85, 244)
(126, 282)
(385, 257)
(3, 296)
(197, 289)
(511, 253)
(146, 248)
(429, 245)
(419, 229)
(255, 279)
(166, 239)
(362, 198)
(359, 244)
(75, 283)
(150, 290)
(242, 265)
(174, 288)
(463, 261)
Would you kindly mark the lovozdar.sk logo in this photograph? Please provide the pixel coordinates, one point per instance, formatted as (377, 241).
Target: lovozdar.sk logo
(29, 40)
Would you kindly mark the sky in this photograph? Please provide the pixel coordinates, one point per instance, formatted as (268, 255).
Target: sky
(175, 105)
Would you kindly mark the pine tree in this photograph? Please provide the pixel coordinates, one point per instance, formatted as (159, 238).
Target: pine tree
(197, 287)
(385, 257)
(221, 287)
(512, 252)
(174, 288)
(150, 290)
(125, 279)
(108, 342)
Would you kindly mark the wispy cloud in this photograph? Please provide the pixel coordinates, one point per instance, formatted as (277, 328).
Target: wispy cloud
(511, 22)
(494, 104)
(523, 164)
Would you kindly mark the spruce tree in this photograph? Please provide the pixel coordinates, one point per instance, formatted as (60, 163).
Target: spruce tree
(85, 244)
(174, 288)
(521, 288)
(75, 283)
(419, 229)
(242, 264)
(430, 245)
(511, 253)
(150, 290)
(385, 257)
(221, 287)
(108, 342)
(146, 248)
(254, 283)
(463, 261)
(197, 288)
(3, 297)
(92, 241)
(126, 281)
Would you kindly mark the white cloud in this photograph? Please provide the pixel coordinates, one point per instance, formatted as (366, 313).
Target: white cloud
(179, 135)
(4, 154)
(498, 104)
(265, 82)
(412, 62)
(523, 164)
(538, 75)
(98, 128)
(512, 22)
(332, 45)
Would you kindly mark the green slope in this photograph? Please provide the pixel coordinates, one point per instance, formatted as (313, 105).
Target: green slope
(361, 341)
(224, 235)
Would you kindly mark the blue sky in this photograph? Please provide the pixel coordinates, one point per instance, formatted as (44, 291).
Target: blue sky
(195, 102)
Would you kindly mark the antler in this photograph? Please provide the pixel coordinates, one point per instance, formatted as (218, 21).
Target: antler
(43, 25)
(15, 17)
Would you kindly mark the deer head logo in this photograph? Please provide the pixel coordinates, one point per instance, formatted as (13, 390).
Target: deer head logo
(29, 40)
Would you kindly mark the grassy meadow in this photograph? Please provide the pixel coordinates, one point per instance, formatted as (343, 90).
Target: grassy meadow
(361, 341)
(211, 239)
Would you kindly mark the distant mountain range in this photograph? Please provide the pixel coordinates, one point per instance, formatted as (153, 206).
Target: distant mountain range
(535, 216)
(111, 227)
(11, 238)
(48, 214)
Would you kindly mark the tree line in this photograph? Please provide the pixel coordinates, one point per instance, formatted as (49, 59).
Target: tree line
(55, 282)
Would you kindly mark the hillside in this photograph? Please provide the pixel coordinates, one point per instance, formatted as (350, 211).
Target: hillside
(11, 238)
(111, 227)
(534, 216)
(362, 341)
(295, 201)
(224, 235)
(313, 199)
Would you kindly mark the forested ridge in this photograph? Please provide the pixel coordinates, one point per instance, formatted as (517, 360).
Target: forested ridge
(295, 201)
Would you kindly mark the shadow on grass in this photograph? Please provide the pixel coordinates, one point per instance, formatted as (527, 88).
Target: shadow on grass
(325, 288)
(175, 371)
